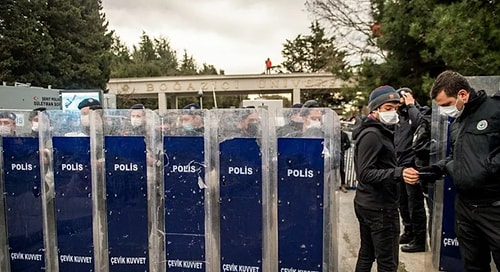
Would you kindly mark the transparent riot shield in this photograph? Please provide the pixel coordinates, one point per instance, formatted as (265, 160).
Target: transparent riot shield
(239, 228)
(444, 254)
(131, 157)
(308, 158)
(184, 164)
(67, 191)
(21, 216)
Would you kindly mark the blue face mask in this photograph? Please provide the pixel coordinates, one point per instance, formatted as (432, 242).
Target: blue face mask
(188, 127)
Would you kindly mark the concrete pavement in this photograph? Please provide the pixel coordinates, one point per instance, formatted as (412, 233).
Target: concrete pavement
(349, 241)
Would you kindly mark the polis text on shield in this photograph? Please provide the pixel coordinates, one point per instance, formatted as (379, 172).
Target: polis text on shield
(126, 167)
(22, 166)
(72, 167)
(240, 170)
(300, 173)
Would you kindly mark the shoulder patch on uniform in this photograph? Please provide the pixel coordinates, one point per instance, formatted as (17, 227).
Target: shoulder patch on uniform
(482, 125)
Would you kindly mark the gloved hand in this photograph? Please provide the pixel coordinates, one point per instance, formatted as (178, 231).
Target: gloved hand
(429, 173)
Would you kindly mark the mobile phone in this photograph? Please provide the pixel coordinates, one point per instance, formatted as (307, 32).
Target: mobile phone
(424, 175)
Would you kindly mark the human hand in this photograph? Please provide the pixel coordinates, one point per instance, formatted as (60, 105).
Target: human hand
(410, 175)
(408, 97)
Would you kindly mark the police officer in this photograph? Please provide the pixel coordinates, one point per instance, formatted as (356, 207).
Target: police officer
(294, 122)
(190, 121)
(247, 124)
(377, 197)
(474, 166)
(86, 106)
(7, 123)
(137, 125)
(311, 120)
(312, 117)
(33, 118)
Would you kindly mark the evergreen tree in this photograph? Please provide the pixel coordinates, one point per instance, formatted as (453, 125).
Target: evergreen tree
(25, 45)
(120, 59)
(208, 69)
(63, 43)
(313, 53)
(167, 57)
(405, 65)
(317, 53)
(154, 57)
(466, 36)
(188, 65)
(151, 57)
(82, 43)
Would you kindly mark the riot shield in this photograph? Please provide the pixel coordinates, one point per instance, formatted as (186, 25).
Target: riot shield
(21, 217)
(131, 157)
(185, 183)
(445, 254)
(238, 200)
(308, 158)
(67, 191)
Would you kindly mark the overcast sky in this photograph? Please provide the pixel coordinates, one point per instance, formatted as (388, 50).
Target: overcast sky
(236, 36)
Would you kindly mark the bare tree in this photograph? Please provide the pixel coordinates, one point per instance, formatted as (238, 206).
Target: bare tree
(351, 23)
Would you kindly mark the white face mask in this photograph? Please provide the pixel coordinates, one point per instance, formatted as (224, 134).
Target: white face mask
(451, 111)
(85, 120)
(314, 124)
(388, 117)
(5, 130)
(136, 122)
(34, 126)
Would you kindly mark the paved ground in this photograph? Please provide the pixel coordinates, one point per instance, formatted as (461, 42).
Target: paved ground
(349, 241)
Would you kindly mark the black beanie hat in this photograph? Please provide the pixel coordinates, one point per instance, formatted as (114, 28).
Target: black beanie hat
(381, 95)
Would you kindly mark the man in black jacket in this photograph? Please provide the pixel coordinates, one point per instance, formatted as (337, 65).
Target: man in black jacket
(377, 197)
(412, 207)
(474, 166)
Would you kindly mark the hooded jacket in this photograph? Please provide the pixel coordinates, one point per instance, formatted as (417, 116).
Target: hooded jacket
(376, 167)
(474, 163)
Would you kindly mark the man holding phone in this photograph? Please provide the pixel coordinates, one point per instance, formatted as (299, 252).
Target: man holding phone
(474, 165)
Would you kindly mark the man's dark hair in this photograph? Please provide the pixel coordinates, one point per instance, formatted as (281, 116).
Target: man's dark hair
(138, 107)
(451, 82)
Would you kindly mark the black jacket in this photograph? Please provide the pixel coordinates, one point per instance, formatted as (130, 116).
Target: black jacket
(376, 168)
(345, 143)
(475, 161)
(409, 119)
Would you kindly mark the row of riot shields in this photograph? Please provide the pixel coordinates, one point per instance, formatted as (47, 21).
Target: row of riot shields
(226, 191)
